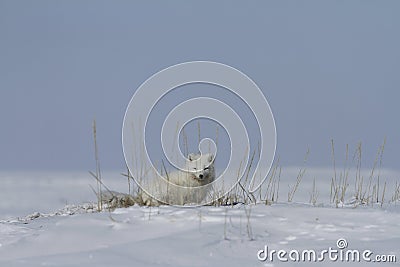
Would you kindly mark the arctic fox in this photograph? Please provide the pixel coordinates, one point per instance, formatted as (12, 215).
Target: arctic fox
(184, 187)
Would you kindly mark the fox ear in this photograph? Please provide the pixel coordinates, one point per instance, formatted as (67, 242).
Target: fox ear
(210, 158)
(191, 157)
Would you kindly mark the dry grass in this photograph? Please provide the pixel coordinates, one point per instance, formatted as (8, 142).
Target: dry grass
(98, 171)
(367, 191)
(314, 194)
(396, 194)
(272, 185)
(339, 186)
(300, 175)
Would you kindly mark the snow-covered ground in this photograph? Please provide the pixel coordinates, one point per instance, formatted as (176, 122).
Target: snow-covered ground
(170, 236)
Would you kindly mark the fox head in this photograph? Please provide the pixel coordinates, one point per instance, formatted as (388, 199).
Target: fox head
(201, 166)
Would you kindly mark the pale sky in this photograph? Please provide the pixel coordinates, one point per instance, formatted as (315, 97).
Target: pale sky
(329, 69)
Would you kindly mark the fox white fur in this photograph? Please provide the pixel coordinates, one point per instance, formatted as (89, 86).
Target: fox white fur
(184, 187)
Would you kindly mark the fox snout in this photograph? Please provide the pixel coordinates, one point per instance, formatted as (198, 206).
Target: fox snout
(200, 175)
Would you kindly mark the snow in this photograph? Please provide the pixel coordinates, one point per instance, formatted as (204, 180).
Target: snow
(171, 236)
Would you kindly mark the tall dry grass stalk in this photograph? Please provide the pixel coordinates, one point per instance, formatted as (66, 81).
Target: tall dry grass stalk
(198, 132)
(380, 166)
(396, 194)
(359, 179)
(185, 142)
(98, 171)
(314, 194)
(369, 193)
(272, 185)
(293, 189)
(129, 180)
(339, 186)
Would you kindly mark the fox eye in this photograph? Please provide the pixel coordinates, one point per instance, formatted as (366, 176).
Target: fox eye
(206, 168)
(194, 168)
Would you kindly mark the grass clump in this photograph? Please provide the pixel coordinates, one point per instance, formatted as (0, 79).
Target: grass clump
(367, 191)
